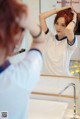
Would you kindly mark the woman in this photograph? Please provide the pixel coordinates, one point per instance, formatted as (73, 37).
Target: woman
(59, 47)
(17, 81)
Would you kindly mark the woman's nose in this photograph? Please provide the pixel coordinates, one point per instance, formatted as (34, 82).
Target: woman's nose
(59, 27)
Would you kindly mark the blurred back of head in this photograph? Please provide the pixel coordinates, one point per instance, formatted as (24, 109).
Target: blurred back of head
(10, 10)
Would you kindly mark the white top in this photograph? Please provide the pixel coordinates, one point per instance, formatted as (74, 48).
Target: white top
(16, 83)
(57, 56)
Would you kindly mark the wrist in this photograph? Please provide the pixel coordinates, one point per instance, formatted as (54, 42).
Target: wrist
(74, 22)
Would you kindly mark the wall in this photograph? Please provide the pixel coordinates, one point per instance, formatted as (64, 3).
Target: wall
(50, 4)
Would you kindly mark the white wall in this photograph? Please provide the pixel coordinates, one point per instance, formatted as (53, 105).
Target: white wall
(76, 54)
(48, 5)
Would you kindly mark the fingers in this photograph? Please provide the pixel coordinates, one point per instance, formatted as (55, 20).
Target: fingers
(74, 16)
(74, 13)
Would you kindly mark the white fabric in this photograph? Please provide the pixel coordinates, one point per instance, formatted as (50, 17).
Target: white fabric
(57, 56)
(16, 83)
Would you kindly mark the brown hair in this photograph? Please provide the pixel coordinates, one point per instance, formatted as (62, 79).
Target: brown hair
(68, 16)
(9, 11)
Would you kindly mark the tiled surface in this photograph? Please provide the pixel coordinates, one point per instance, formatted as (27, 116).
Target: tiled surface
(75, 67)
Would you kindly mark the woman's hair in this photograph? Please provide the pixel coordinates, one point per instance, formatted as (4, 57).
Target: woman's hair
(77, 32)
(68, 16)
(10, 10)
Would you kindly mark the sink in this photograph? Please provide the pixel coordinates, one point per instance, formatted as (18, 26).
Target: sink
(44, 109)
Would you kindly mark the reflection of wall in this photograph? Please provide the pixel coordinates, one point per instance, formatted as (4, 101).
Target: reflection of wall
(76, 54)
(34, 7)
(74, 3)
(63, 3)
(48, 5)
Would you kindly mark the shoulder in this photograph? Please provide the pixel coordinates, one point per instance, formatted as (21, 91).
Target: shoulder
(26, 73)
(34, 54)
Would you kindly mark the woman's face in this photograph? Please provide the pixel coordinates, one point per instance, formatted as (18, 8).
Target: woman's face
(60, 26)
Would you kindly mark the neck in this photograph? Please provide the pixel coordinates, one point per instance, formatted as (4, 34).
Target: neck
(61, 36)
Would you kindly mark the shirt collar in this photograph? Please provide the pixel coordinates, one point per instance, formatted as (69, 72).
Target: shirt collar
(4, 66)
(56, 36)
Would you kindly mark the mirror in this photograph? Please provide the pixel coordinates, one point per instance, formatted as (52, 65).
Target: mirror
(75, 57)
(74, 66)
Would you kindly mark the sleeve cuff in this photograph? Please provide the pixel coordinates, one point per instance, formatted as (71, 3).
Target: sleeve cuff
(47, 31)
(71, 43)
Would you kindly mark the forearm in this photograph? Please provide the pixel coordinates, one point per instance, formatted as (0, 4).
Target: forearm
(47, 14)
(53, 11)
(39, 42)
(30, 24)
(70, 31)
(36, 32)
(38, 36)
(70, 28)
(72, 24)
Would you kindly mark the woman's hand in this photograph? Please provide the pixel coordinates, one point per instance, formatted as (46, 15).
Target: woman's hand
(74, 17)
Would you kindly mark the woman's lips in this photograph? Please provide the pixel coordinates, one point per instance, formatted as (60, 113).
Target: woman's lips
(58, 31)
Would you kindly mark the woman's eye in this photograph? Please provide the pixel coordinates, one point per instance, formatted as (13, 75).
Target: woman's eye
(63, 25)
(56, 23)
